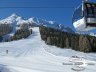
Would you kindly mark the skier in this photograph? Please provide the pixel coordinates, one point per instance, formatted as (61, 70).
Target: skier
(6, 51)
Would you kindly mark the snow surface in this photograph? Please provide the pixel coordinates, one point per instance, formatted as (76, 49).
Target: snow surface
(33, 55)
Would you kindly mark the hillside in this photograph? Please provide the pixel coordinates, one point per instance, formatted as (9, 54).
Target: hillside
(22, 47)
(33, 55)
(16, 27)
(62, 39)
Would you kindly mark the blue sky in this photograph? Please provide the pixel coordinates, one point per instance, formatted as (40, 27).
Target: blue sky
(60, 15)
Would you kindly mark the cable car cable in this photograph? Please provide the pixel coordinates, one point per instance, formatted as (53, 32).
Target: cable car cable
(33, 7)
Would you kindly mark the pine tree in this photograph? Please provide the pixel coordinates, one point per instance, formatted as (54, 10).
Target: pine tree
(48, 40)
(67, 42)
(84, 44)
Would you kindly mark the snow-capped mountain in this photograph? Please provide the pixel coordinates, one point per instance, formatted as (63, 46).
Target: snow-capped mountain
(92, 34)
(87, 33)
(33, 55)
(17, 20)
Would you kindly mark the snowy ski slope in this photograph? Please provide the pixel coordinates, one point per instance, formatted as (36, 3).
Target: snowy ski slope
(33, 55)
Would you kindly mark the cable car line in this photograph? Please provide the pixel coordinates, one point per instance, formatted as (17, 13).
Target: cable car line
(34, 7)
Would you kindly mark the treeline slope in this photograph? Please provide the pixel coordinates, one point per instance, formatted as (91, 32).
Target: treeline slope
(84, 43)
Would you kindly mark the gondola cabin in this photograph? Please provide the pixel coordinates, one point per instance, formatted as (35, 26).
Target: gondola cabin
(84, 17)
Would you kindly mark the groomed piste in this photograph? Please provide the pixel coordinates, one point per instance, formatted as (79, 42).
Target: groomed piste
(33, 55)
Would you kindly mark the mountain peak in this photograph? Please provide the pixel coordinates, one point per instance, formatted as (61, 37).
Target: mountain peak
(14, 15)
(51, 22)
(16, 19)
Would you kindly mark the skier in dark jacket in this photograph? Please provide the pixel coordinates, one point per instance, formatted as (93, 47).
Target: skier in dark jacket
(6, 51)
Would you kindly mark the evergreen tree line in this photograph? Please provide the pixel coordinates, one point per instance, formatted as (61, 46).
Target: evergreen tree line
(84, 43)
(21, 33)
(5, 29)
(1, 38)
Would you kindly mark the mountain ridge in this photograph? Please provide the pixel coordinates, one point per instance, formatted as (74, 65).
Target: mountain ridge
(18, 20)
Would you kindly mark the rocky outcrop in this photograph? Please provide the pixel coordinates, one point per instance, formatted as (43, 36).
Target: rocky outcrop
(84, 43)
